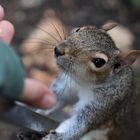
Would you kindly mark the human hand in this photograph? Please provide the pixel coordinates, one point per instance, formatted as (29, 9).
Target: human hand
(6, 28)
(34, 93)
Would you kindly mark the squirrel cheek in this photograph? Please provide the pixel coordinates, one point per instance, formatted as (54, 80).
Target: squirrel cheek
(99, 77)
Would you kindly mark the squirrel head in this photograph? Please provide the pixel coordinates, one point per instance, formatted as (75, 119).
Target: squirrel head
(90, 54)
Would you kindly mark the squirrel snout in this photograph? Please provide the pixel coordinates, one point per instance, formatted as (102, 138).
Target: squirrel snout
(58, 52)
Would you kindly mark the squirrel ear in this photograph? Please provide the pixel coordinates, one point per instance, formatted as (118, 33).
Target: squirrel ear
(131, 57)
(109, 25)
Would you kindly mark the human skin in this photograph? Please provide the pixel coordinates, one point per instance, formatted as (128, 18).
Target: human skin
(34, 93)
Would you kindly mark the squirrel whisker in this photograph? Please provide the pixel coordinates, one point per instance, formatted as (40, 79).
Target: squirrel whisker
(53, 37)
(56, 30)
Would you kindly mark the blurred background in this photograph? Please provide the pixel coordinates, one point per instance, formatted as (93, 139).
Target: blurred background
(27, 14)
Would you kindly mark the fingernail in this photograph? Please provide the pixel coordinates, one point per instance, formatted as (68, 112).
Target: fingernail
(1, 12)
(48, 101)
(6, 31)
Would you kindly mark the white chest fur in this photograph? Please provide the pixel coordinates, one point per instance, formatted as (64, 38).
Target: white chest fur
(99, 134)
(86, 95)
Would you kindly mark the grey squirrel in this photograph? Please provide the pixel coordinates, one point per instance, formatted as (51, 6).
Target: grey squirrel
(101, 77)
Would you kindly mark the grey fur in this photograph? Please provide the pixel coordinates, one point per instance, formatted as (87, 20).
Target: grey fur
(100, 101)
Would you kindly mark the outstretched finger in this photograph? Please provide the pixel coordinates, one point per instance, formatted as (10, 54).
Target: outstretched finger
(37, 94)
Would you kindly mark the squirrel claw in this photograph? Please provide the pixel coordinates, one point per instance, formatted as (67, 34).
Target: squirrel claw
(52, 132)
(52, 136)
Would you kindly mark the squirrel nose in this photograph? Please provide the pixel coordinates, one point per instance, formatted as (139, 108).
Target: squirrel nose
(58, 52)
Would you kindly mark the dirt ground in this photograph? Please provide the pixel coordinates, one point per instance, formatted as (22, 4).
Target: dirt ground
(25, 14)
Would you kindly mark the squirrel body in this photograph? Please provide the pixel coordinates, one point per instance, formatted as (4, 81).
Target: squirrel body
(99, 78)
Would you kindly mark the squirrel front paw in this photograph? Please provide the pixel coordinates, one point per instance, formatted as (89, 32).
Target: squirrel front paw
(53, 136)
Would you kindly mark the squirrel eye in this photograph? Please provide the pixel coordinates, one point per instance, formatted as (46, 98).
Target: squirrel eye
(77, 29)
(74, 30)
(98, 62)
